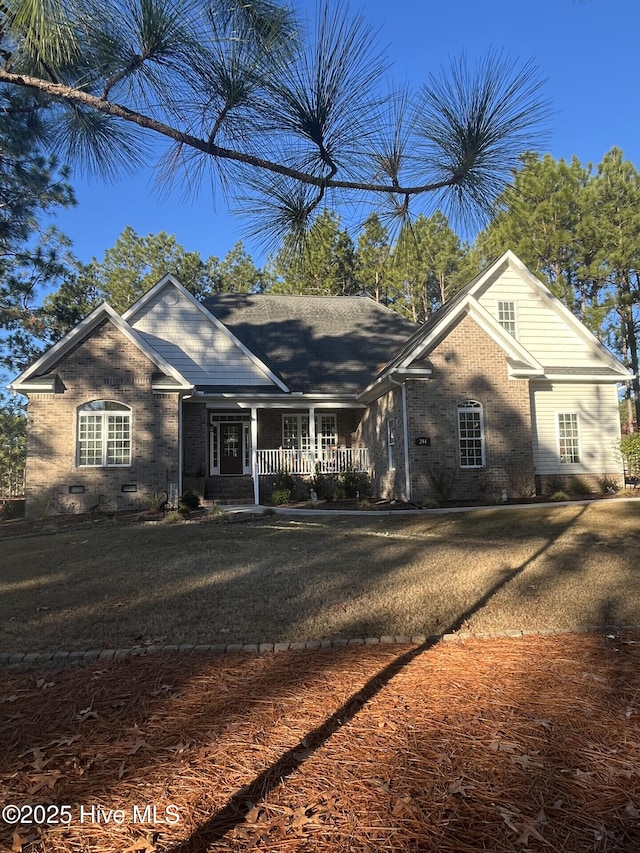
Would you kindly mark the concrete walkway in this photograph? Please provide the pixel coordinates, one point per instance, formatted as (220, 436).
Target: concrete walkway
(259, 509)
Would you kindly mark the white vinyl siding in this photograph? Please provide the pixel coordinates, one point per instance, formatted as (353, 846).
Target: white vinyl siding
(540, 329)
(598, 422)
(195, 346)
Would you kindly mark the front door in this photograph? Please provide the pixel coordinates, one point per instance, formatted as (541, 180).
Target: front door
(231, 455)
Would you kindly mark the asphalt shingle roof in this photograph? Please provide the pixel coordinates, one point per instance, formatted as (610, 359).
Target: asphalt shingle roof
(321, 344)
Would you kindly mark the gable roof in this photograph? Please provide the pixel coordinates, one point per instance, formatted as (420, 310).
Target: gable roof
(195, 339)
(318, 344)
(521, 362)
(34, 379)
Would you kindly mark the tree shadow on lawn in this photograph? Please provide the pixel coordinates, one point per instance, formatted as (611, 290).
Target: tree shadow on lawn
(236, 584)
(195, 707)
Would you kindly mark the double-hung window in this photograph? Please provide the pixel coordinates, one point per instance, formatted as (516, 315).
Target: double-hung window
(104, 435)
(470, 434)
(568, 437)
(507, 317)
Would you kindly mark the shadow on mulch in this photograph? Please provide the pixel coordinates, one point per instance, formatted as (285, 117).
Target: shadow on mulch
(502, 745)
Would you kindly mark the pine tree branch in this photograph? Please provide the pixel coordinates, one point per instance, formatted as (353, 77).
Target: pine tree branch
(70, 95)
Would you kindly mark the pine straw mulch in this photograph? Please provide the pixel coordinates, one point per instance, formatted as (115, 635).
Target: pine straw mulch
(500, 745)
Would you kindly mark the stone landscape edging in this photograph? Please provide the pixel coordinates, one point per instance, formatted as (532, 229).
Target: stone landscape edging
(21, 659)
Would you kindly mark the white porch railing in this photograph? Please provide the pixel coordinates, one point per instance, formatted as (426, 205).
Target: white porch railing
(331, 460)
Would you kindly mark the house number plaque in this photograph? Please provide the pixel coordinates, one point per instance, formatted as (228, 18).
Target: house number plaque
(422, 441)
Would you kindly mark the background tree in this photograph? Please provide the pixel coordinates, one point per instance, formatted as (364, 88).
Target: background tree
(325, 265)
(283, 113)
(426, 263)
(372, 253)
(237, 273)
(545, 219)
(33, 255)
(614, 194)
(13, 446)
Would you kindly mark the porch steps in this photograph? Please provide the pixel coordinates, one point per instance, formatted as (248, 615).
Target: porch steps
(229, 490)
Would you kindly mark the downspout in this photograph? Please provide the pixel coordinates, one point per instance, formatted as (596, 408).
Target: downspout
(180, 445)
(405, 436)
(254, 455)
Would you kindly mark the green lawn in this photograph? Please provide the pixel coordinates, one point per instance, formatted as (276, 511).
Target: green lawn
(292, 579)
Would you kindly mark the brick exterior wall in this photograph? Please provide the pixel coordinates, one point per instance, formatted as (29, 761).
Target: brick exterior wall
(372, 433)
(194, 439)
(105, 366)
(469, 365)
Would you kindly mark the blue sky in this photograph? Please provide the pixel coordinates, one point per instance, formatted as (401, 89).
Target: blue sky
(586, 50)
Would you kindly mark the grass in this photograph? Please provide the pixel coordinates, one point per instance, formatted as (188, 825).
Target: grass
(285, 579)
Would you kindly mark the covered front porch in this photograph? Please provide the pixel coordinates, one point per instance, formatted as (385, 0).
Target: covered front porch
(229, 450)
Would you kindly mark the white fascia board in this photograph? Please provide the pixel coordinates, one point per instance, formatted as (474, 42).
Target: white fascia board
(129, 316)
(390, 380)
(587, 377)
(245, 402)
(511, 346)
(81, 331)
(470, 306)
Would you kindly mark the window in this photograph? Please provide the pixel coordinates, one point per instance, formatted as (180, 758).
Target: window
(104, 434)
(295, 432)
(471, 434)
(507, 317)
(568, 437)
(391, 443)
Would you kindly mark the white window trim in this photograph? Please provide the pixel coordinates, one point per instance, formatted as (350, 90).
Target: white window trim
(215, 437)
(564, 413)
(515, 316)
(104, 415)
(300, 416)
(391, 444)
(476, 407)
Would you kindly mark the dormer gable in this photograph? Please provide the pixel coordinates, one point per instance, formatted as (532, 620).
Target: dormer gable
(41, 376)
(195, 341)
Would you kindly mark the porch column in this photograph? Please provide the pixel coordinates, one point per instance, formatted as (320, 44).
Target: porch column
(312, 437)
(254, 455)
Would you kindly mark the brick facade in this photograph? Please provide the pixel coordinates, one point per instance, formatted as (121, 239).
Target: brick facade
(104, 366)
(372, 433)
(469, 365)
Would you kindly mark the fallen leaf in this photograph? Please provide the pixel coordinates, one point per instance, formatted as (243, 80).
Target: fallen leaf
(631, 810)
(456, 787)
(18, 842)
(525, 762)
(87, 714)
(145, 845)
(507, 817)
(503, 746)
(44, 780)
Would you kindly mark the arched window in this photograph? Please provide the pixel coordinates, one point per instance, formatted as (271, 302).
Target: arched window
(471, 434)
(104, 434)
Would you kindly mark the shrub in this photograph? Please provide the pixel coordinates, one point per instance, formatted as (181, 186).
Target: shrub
(630, 451)
(559, 496)
(189, 501)
(442, 479)
(281, 496)
(157, 499)
(354, 484)
(580, 487)
(608, 485)
(284, 480)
